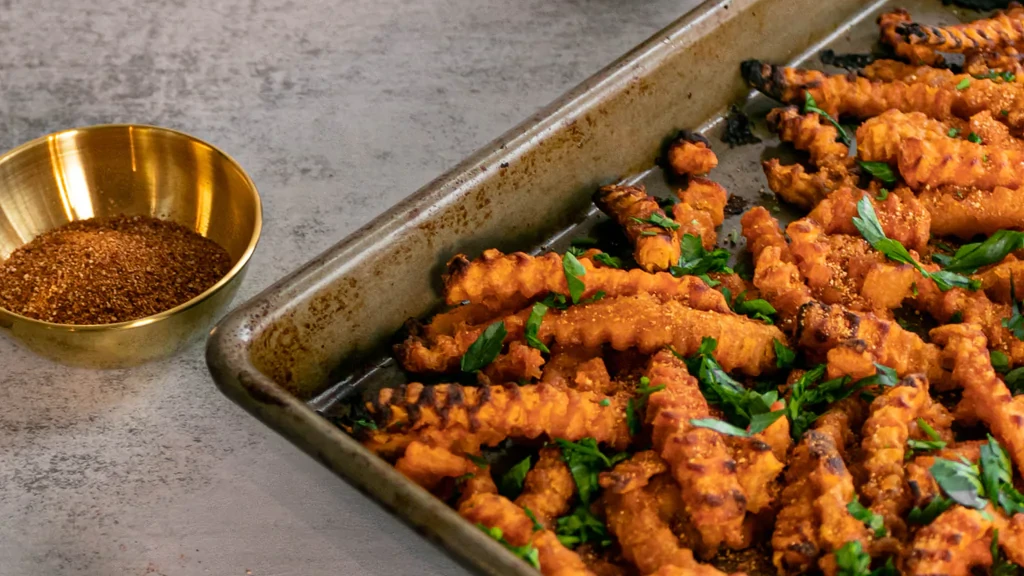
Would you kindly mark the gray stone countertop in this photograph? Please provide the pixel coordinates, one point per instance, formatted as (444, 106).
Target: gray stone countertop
(338, 109)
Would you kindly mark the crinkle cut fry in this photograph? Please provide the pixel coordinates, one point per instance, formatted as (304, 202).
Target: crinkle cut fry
(951, 162)
(1005, 28)
(548, 487)
(463, 418)
(779, 282)
(759, 461)
(443, 353)
(794, 184)
(891, 70)
(655, 248)
(841, 422)
(762, 230)
(996, 281)
(808, 132)
(968, 213)
(887, 24)
(699, 457)
(902, 216)
(985, 395)
(918, 471)
(974, 307)
(521, 362)
(495, 278)
(428, 466)
(494, 511)
(691, 154)
(701, 208)
(958, 540)
(1008, 60)
(879, 138)
(646, 540)
(885, 445)
(831, 330)
(814, 521)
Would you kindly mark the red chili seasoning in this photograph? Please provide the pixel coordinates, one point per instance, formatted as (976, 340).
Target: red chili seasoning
(107, 270)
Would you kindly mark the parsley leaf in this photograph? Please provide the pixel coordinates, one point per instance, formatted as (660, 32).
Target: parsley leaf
(585, 460)
(695, 260)
(953, 132)
(852, 560)
(936, 442)
(869, 518)
(758, 309)
(1000, 362)
(880, 170)
(537, 526)
(533, 327)
(511, 483)
(1015, 380)
(1015, 323)
(581, 527)
(811, 106)
(634, 405)
(867, 223)
(972, 137)
(963, 84)
(885, 376)
(364, 423)
(995, 466)
(1001, 566)
(960, 481)
(758, 424)
(573, 271)
(480, 461)
(485, 349)
(576, 251)
(929, 513)
(584, 241)
(808, 399)
(994, 249)
(660, 220)
(608, 260)
(526, 552)
(785, 356)
(739, 404)
(882, 194)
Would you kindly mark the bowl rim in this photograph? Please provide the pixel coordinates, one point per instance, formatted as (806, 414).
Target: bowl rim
(196, 300)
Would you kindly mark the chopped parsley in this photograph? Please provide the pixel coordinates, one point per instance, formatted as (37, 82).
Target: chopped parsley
(935, 441)
(1001, 566)
(695, 260)
(582, 527)
(972, 137)
(963, 84)
(585, 461)
(605, 402)
(867, 223)
(758, 423)
(511, 483)
(574, 270)
(873, 521)
(584, 241)
(929, 513)
(808, 400)
(953, 132)
(659, 220)
(1015, 323)
(533, 327)
(974, 486)
(364, 423)
(485, 349)
(635, 405)
(526, 552)
(785, 356)
(537, 526)
(1006, 76)
(608, 260)
(882, 194)
(738, 404)
(811, 106)
(1000, 362)
(880, 170)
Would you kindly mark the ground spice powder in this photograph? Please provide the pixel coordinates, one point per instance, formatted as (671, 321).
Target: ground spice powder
(107, 270)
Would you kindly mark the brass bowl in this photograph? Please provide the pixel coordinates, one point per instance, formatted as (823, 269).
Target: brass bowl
(135, 170)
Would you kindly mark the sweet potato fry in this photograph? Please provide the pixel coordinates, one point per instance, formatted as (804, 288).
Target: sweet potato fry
(915, 54)
(761, 231)
(691, 154)
(1005, 28)
(902, 216)
(958, 540)
(801, 188)
(810, 133)
(656, 247)
(700, 209)
(968, 213)
(879, 138)
(996, 281)
(427, 466)
(952, 162)
(548, 487)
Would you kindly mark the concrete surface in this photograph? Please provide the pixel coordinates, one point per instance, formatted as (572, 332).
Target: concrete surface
(338, 109)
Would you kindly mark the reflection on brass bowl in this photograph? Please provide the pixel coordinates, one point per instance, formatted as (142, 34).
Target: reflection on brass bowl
(135, 170)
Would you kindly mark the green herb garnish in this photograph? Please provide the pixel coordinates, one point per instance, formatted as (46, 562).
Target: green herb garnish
(935, 442)
(953, 132)
(485, 349)
(695, 260)
(972, 137)
(963, 84)
(511, 483)
(584, 241)
(811, 106)
(879, 170)
(537, 526)
(738, 404)
(873, 521)
(526, 552)
(785, 356)
(660, 220)
(480, 461)
(929, 513)
(574, 270)
(608, 260)
(533, 327)
(758, 423)
(758, 309)
(585, 461)
(1000, 565)
(605, 402)
(994, 249)
(582, 527)
(364, 423)
(1015, 323)
(1000, 362)
(882, 194)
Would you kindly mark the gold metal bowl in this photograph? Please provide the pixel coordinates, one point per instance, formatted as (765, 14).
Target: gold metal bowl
(135, 170)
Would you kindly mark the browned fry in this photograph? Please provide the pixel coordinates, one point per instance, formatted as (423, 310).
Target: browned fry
(655, 248)
(922, 485)
(985, 395)
(759, 461)
(700, 209)
(521, 362)
(814, 521)
(801, 188)
(599, 563)
(580, 368)
(885, 444)
(958, 540)
(735, 284)
(952, 162)
(1006, 60)
(968, 213)
(853, 341)
(495, 278)
(427, 466)
(973, 307)
(879, 138)
(548, 488)
(463, 418)
(1011, 539)
(646, 539)
(841, 423)
(780, 283)
(890, 70)
(996, 281)
(691, 154)
(494, 511)
(917, 55)
(698, 457)
(902, 216)
(811, 133)
(761, 231)
(450, 322)
(992, 132)
(1005, 28)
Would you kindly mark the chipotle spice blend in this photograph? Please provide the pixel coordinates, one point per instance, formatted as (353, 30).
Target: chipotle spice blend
(107, 270)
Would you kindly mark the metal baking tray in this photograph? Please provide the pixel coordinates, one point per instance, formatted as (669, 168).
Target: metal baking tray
(294, 355)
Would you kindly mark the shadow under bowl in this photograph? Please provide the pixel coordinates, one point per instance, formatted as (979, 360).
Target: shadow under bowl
(111, 170)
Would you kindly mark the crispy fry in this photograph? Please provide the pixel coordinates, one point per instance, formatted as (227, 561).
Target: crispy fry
(996, 280)
(761, 231)
(801, 188)
(495, 511)
(841, 423)
(968, 213)
(1007, 60)
(463, 418)
(885, 444)
(879, 138)
(698, 457)
(495, 278)
(922, 485)
(427, 466)
(548, 488)
(917, 55)
(902, 216)
(824, 327)
(955, 542)
(891, 70)
(1011, 539)
(645, 538)
(814, 521)
(780, 283)
(656, 248)
(933, 163)
(808, 132)
(520, 363)
(691, 154)
(759, 461)
(700, 209)
(1005, 28)
(985, 395)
